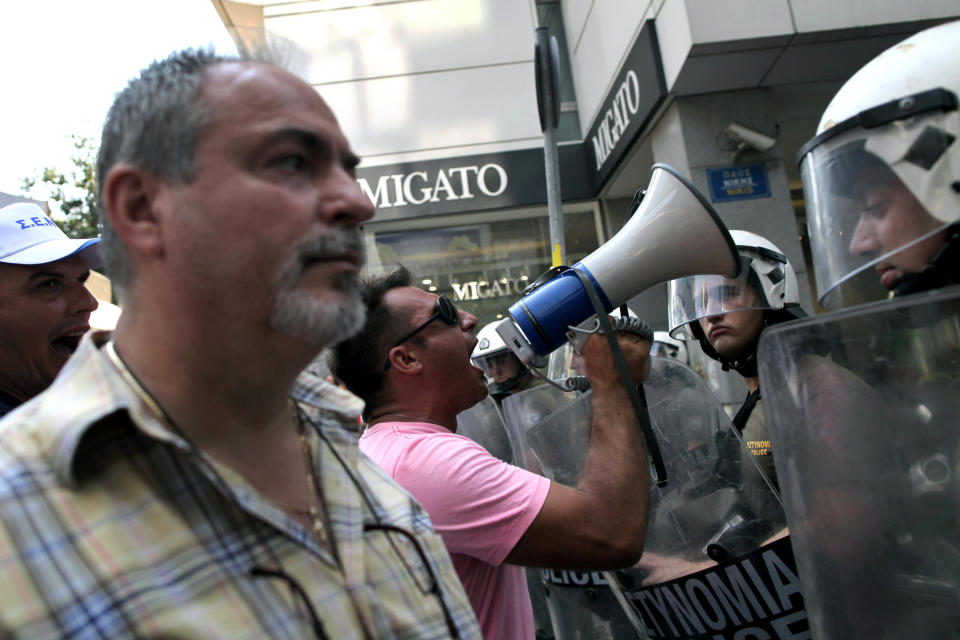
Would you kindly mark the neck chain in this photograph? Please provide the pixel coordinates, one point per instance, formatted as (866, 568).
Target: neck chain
(313, 486)
(312, 512)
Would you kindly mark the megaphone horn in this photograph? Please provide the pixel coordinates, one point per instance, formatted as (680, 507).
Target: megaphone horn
(673, 234)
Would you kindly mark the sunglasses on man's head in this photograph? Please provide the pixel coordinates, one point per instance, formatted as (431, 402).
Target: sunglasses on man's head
(446, 312)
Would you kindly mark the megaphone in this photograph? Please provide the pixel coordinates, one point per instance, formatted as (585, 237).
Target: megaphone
(674, 233)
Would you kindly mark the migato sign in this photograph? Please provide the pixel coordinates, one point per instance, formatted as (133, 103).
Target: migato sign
(419, 187)
(635, 94)
(498, 180)
(478, 289)
(625, 103)
(516, 177)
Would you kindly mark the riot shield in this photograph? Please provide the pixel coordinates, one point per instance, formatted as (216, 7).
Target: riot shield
(521, 411)
(716, 561)
(483, 423)
(864, 414)
(577, 605)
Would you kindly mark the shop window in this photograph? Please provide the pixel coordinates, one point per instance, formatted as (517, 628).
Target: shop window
(482, 266)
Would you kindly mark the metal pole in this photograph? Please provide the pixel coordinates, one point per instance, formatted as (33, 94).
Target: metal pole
(548, 103)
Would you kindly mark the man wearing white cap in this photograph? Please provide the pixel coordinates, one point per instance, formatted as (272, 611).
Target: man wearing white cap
(44, 307)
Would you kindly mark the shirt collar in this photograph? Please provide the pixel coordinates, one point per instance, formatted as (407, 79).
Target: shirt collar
(406, 427)
(314, 391)
(90, 389)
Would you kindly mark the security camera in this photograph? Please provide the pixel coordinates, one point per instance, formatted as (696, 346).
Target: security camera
(749, 138)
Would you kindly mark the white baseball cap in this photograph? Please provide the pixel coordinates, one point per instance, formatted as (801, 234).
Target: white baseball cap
(28, 236)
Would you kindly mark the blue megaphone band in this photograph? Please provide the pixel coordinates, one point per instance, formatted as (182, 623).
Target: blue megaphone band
(548, 310)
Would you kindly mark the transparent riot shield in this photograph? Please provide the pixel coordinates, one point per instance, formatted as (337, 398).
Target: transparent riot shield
(577, 605)
(864, 414)
(717, 560)
(521, 411)
(483, 423)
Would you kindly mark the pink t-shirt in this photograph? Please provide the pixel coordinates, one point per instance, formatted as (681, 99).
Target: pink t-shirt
(481, 507)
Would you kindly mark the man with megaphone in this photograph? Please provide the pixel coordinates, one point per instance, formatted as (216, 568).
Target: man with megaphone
(411, 365)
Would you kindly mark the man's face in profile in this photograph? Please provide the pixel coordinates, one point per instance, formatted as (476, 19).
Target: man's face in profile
(890, 217)
(267, 228)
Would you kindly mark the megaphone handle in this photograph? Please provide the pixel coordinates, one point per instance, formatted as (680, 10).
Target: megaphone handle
(637, 396)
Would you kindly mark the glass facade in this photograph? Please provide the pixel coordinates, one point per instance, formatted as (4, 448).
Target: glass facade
(482, 261)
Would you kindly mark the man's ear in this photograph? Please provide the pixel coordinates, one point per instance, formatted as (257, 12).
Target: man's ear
(404, 360)
(130, 196)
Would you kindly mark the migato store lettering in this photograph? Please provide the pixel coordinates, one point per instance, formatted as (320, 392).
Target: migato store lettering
(477, 289)
(418, 187)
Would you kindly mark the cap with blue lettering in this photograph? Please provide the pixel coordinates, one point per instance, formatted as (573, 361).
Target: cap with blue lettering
(28, 236)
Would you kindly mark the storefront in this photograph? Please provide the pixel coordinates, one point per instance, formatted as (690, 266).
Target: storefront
(481, 261)
(475, 228)
(439, 98)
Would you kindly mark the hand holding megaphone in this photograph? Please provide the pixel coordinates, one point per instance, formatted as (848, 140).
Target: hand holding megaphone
(634, 338)
(673, 233)
(622, 320)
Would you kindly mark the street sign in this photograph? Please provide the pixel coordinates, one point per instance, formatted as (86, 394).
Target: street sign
(738, 183)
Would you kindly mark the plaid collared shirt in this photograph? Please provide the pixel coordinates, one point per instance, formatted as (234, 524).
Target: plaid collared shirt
(111, 526)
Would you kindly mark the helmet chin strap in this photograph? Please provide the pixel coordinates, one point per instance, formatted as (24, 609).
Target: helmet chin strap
(746, 366)
(942, 270)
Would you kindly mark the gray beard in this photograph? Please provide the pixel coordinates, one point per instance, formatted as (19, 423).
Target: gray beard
(299, 314)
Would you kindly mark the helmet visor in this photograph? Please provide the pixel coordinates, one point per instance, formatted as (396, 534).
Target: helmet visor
(877, 202)
(499, 366)
(696, 297)
(664, 350)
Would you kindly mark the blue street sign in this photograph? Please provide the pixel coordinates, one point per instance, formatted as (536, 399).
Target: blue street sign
(738, 183)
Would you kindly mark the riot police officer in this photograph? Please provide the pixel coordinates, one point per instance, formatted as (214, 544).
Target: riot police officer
(504, 371)
(869, 428)
(505, 376)
(665, 346)
(882, 176)
(727, 316)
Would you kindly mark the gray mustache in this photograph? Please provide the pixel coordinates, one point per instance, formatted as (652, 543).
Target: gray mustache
(338, 242)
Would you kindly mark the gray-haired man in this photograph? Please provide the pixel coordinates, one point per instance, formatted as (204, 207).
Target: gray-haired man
(178, 479)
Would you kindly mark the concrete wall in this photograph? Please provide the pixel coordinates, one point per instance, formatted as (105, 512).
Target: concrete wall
(422, 79)
(599, 35)
(427, 79)
(711, 46)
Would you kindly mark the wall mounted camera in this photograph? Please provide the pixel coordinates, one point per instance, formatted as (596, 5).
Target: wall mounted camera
(741, 139)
